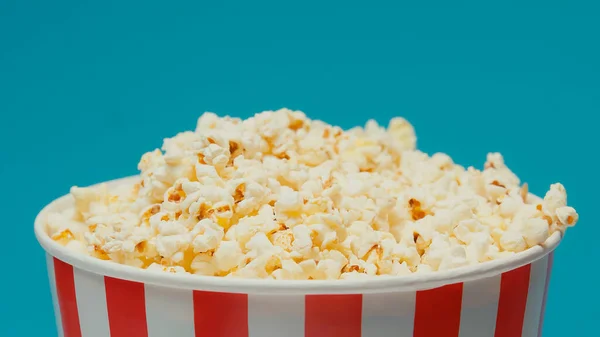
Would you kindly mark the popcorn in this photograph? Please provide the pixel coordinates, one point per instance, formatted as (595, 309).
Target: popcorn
(259, 267)
(508, 207)
(400, 268)
(567, 216)
(208, 237)
(168, 269)
(512, 241)
(202, 265)
(77, 246)
(402, 134)
(362, 238)
(456, 257)
(328, 269)
(260, 244)
(169, 245)
(288, 203)
(302, 241)
(555, 198)
(284, 197)
(535, 231)
(227, 256)
(290, 270)
(477, 250)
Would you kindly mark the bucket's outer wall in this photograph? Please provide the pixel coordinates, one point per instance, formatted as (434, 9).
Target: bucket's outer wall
(507, 305)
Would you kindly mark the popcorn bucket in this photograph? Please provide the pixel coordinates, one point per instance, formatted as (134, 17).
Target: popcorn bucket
(95, 298)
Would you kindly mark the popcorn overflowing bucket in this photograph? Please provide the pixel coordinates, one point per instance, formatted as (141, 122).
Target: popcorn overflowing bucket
(95, 298)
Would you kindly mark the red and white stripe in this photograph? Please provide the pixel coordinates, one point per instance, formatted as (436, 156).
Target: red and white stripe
(90, 305)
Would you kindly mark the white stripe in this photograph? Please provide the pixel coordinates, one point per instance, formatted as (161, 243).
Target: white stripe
(535, 297)
(52, 279)
(276, 315)
(388, 314)
(169, 312)
(479, 307)
(91, 303)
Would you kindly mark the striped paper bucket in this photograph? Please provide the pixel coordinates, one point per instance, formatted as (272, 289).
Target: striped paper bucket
(95, 298)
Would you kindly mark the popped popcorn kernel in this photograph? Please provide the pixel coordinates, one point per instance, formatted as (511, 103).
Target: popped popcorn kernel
(535, 231)
(227, 256)
(512, 241)
(567, 216)
(63, 237)
(166, 269)
(281, 196)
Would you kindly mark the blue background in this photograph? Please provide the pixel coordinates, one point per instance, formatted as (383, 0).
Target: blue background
(87, 86)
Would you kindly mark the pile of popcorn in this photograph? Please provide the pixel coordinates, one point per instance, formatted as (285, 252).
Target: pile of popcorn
(284, 197)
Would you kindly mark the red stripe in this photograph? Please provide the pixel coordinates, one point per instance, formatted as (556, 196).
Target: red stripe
(220, 314)
(333, 315)
(67, 300)
(548, 272)
(437, 312)
(513, 300)
(126, 306)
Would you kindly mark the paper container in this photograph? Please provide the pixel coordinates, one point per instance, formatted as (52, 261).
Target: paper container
(95, 298)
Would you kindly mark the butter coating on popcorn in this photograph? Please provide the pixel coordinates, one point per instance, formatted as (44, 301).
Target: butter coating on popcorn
(284, 197)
